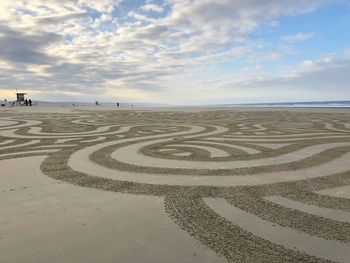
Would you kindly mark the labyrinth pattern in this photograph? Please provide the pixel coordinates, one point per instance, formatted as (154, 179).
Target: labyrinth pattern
(251, 186)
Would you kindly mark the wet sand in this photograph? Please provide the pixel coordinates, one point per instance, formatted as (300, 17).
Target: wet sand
(101, 184)
(44, 220)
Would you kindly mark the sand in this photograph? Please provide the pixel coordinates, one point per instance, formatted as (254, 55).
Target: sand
(44, 220)
(101, 184)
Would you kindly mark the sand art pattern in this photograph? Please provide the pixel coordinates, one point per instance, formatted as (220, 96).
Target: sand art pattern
(251, 186)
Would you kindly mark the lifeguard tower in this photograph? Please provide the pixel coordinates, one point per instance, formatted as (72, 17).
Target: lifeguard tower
(20, 97)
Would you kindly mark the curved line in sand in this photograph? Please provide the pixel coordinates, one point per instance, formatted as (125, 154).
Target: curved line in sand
(79, 161)
(262, 136)
(37, 131)
(11, 134)
(13, 127)
(214, 152)
(285, 236)
(276, 139)
(6, 142)
(7, 123)
(332, 214)
(239, 147)
(341, 191)
(131, 155)
(21, 145)
(45, 151)
(330, 126)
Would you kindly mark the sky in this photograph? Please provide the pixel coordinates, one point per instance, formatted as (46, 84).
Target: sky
(175, 51)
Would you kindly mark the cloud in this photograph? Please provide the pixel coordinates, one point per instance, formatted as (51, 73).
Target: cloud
(103, 6)
(61, 18)
(299, 37)
(19, 47)
(152, 8)
(161, 49)
(322, 79)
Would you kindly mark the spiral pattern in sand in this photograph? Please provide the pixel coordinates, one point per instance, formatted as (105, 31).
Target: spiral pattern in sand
(252, 186)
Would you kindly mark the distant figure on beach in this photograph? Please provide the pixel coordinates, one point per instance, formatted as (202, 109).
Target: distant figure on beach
(132, 106)
(26, 102)
(118, 104)
(30, 102)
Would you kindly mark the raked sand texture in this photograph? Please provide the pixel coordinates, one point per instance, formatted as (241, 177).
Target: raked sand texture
(199, 185)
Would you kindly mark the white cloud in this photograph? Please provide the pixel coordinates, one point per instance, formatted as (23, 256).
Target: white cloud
(152, 8)
(103, 6)
(299, 37)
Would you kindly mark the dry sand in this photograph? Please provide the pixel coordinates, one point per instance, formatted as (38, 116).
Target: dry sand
(101, 184)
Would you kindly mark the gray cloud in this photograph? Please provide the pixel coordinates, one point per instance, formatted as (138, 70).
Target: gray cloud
(19, 47)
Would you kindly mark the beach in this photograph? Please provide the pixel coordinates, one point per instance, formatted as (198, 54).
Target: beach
(174, 184)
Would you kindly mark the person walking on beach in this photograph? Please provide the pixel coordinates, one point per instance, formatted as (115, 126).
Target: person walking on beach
(30, 102)
(26, 102)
